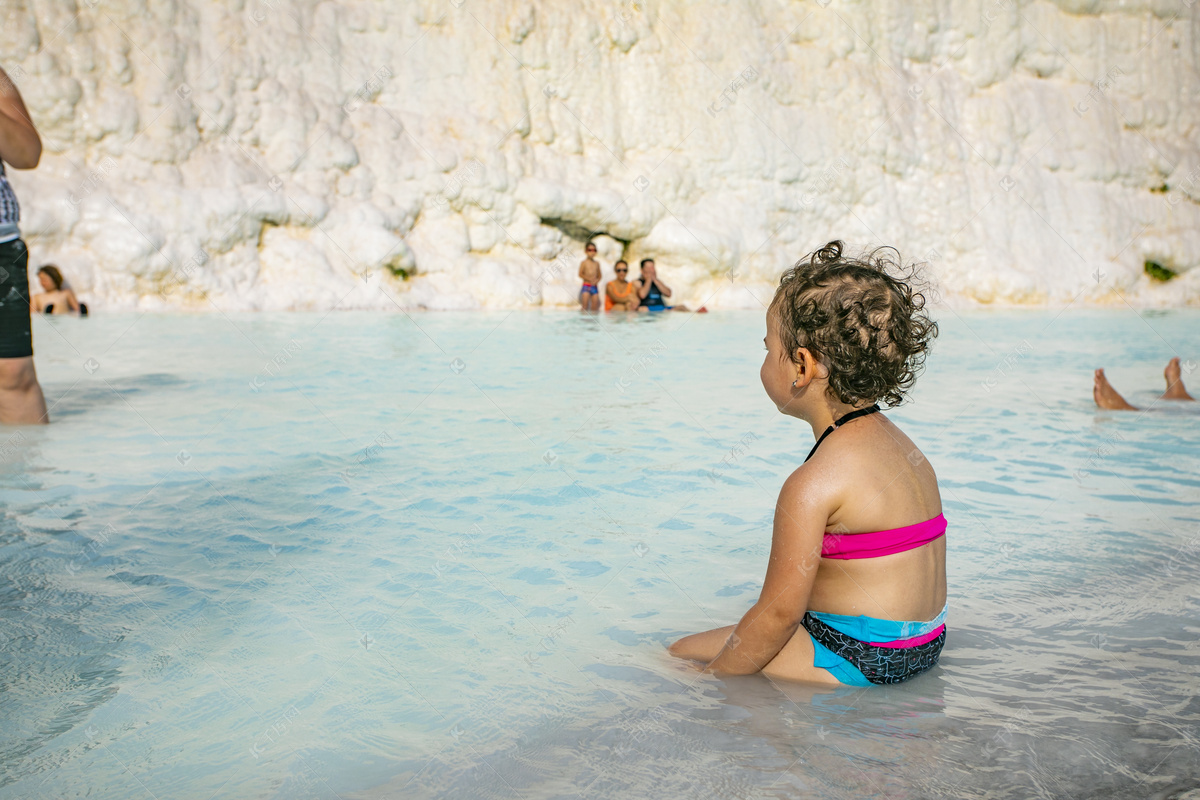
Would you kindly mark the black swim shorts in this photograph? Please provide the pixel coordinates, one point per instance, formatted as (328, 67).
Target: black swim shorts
(16, 340)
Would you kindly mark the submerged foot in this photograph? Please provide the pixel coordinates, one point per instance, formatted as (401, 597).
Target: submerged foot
(1175, 388)
(1106, 396)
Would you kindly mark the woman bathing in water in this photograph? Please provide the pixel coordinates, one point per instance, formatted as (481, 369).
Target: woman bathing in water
(855, 590)
(620, 294)
(54, 299)
(1108, 397)
(652, 292)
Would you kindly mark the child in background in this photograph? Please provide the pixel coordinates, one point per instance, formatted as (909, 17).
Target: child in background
(589, 273)
(855, 589)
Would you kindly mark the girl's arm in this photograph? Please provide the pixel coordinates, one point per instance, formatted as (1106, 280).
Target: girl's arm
(72, 300)
(800, 517)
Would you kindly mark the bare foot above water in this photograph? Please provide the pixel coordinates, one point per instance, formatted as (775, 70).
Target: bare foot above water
(1175, 388)
(1106, 396)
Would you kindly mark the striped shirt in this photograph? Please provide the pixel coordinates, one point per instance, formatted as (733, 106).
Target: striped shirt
(10, 210)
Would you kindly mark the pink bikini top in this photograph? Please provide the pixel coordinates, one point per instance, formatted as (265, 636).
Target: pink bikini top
(882, 543)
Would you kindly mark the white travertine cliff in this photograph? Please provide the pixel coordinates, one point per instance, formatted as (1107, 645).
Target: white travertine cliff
(455, 153)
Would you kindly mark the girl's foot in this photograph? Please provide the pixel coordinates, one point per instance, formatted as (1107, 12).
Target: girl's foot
(1106, 396)
(1174, 375)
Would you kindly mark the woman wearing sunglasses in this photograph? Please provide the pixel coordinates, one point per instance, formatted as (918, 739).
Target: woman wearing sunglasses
(620, 294)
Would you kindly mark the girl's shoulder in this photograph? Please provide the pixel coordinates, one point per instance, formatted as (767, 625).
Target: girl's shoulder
(881, 476)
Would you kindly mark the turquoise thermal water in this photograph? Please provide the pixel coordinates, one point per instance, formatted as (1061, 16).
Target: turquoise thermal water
(366, 555)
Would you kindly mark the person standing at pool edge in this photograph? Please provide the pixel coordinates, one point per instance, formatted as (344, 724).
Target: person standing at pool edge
(21, 398)
(589, 273)
(855, 590)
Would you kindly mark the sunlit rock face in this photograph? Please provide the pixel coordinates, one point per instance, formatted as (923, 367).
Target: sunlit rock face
(456, 154)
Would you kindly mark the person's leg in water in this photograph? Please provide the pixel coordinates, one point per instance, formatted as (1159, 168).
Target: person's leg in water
(21, 399)
(1175, 388)
(1108, 397)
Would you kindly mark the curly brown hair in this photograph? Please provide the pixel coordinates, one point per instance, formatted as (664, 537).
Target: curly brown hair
(860, 317)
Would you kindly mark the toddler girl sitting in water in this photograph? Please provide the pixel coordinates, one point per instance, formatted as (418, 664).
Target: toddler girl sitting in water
(855, 590)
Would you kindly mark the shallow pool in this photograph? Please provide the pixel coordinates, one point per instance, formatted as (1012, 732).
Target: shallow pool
(357, 555)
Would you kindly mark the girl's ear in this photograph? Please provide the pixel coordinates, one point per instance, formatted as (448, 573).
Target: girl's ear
(808, 368)
(805, 366)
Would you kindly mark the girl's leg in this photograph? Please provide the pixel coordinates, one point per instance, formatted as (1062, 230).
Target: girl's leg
(795, 662)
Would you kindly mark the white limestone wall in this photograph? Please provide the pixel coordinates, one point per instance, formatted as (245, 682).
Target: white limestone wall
(280, 155)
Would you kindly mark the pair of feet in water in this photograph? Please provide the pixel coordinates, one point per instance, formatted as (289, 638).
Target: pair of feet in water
(1108, 397)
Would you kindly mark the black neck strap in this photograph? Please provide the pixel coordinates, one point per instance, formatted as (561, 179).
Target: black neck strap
(862, 412)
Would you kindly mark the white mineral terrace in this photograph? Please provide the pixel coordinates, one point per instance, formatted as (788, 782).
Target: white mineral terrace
(455, 154)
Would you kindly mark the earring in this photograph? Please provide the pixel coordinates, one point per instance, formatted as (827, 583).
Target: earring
(794, 383)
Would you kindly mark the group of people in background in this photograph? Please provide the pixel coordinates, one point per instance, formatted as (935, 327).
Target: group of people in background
(648, 293)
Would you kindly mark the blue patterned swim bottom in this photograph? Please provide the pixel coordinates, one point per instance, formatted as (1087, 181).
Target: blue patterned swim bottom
(865, 651)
